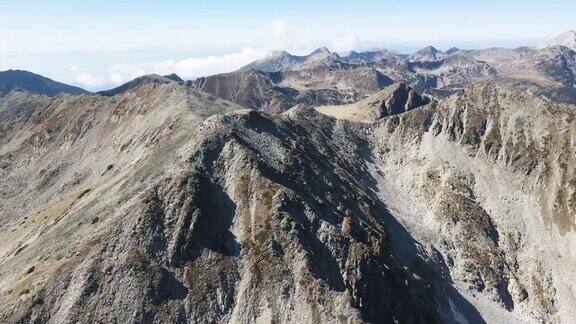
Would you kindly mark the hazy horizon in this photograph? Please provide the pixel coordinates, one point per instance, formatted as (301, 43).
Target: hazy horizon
(101, 44)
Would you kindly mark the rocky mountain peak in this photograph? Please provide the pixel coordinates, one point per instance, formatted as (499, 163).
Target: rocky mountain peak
(429, 49)
(174, 77)
(452, 50)
(284, 61)
(567, 39)
(319, 54)
(321, 50)
(139, 81)
(395, 99)
(429, 53)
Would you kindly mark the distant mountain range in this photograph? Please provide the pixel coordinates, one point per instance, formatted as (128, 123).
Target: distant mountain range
(15, 80)
(283, 80)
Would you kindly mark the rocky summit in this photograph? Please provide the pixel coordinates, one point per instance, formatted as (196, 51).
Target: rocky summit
(375, 187)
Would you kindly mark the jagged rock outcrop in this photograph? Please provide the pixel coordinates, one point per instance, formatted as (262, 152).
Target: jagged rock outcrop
(393, 100)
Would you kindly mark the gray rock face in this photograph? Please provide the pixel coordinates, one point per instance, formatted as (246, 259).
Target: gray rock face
(395, 99)
(161, 205)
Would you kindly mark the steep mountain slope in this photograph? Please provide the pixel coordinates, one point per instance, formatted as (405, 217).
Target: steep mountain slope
(494, 164)
(15, 80)
(252, 89)
(457, 210)
(15, 110)
(61, 145)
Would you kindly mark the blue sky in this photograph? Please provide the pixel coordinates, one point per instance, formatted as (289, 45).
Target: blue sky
(98, 44)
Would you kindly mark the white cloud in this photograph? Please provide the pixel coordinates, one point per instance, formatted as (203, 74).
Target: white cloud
(283, 38)
(90, 80)
(188, 68)
(279, 34)
(344, 43)
(193, 67)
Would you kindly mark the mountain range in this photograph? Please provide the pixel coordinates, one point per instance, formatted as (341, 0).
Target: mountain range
(373, 187)
(17, 80)
(282, 80)
(323, 78)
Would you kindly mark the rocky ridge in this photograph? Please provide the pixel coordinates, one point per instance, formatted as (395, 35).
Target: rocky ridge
(457, 209)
